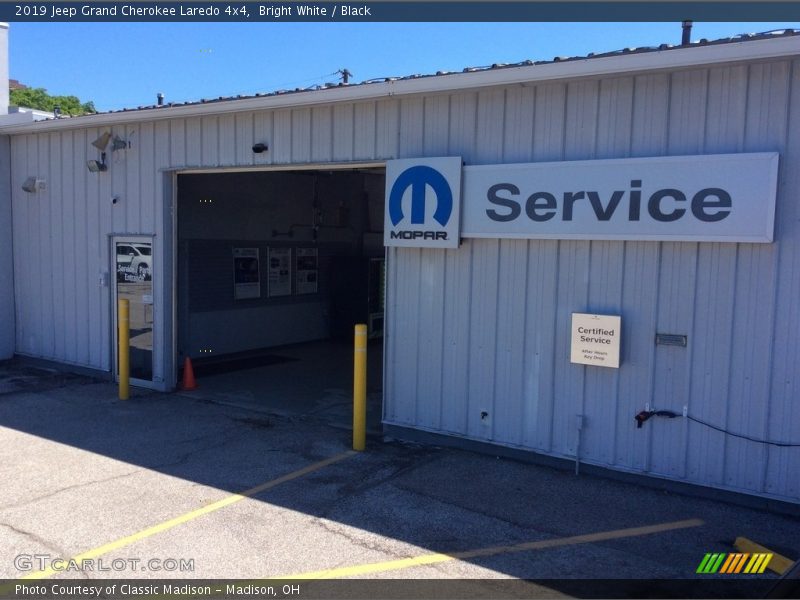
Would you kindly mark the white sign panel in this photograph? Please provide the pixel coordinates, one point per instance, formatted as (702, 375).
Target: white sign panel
(246, 273)
(307, 270)
(280, 271)
(595, 340)
(423, 203)
(724, 198)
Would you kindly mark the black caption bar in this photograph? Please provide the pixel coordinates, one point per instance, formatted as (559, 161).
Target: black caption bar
(391, 589)
(244, 11)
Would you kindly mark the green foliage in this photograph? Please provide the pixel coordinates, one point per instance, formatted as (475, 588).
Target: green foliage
(38, 98)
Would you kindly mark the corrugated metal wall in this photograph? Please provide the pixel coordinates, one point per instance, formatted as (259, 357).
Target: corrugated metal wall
(485, 327)
(61, 235)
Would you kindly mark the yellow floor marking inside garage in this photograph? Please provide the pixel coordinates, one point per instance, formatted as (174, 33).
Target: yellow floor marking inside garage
(190, 516)
(434, 558)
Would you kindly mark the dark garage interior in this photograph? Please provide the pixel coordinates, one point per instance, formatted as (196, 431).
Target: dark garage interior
(274, 270)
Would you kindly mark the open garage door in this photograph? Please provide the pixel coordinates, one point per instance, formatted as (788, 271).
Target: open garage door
(274, 270)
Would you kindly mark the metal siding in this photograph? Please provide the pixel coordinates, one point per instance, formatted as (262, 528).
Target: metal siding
(677, 289)
(210, 144)
(572, 288)
(457, 303)
(463, 115)
(129, 191)
(482, 349)
(244, 132)
(601, 391)
(69, 258)
(518, 125)
(437, 123)
(56, 258)
(506, 343)
(281, 151)
(364, 131)
(321, 134)
(403, 357)
(486, 326)
(343, 132)
(194, 140)
(264, 132)
(150, 143)
(509, 359)
(387, 132)
(783, 416)
(301, 135)
(48, 205)
(490, 127)
(539, 373)
(412, 127)
(639, 310)
(177, 142)
(20, 240)
(154, 204)
(429, 325)
(548, 124)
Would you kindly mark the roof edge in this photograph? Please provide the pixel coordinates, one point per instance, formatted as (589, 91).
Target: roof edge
(672, 58)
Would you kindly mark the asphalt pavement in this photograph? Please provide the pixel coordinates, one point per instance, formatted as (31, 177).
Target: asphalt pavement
(171, 486)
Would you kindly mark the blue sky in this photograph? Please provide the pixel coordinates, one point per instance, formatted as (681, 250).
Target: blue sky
(124, 65)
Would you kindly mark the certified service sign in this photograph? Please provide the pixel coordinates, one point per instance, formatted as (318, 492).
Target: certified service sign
(423, 203)
(595, 340)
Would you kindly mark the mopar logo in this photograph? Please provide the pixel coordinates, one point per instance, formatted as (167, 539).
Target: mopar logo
(418, 178)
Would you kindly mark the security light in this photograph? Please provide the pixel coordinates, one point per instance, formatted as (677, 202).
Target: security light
(97, 165)
(119, 144)
(30, 185)
(101, 142)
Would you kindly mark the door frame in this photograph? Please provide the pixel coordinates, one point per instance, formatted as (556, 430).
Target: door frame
(132, 238)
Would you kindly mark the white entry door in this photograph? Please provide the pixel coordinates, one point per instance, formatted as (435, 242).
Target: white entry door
(132, 258)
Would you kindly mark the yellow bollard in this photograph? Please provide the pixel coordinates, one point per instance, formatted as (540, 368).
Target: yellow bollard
(360, 389)
(124, 357)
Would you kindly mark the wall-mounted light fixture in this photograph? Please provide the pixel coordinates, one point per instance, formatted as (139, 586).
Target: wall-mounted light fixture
(119, 144)
(260, 147)
(96, 166)
(101, 142)
(33, 185)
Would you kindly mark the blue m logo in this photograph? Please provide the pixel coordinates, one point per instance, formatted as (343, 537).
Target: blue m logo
(418, 178)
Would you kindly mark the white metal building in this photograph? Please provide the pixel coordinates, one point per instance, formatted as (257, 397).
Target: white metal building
(477, 337)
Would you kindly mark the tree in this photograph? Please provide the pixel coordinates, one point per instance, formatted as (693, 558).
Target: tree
(39, 99)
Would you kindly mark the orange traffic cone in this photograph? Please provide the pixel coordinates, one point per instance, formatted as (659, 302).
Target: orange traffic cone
(188, 375)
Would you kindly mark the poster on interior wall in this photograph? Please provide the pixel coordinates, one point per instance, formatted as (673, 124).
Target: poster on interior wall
(246, 274)
(307, 271)
(280, 271)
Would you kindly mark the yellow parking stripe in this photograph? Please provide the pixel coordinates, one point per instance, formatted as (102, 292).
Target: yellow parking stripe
(778, 563)
(429, 559)
(190, 516)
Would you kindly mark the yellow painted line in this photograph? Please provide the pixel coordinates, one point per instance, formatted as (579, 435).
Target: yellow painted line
(190, 516)
(778, 563)
(434, 558)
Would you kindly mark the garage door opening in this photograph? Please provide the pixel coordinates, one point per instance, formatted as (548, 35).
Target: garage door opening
(274, 270)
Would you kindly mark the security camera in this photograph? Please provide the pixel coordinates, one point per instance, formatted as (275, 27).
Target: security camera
(259, 148)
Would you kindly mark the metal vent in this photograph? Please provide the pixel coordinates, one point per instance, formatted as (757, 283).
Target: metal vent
(671, 339)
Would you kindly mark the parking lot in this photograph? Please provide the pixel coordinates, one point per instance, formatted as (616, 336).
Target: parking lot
(169, 486)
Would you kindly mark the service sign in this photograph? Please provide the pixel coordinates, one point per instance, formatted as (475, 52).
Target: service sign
(719, 198)
(595, 340)
(423, 203)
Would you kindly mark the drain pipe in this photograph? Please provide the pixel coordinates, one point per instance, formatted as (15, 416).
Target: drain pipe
(579, 426)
